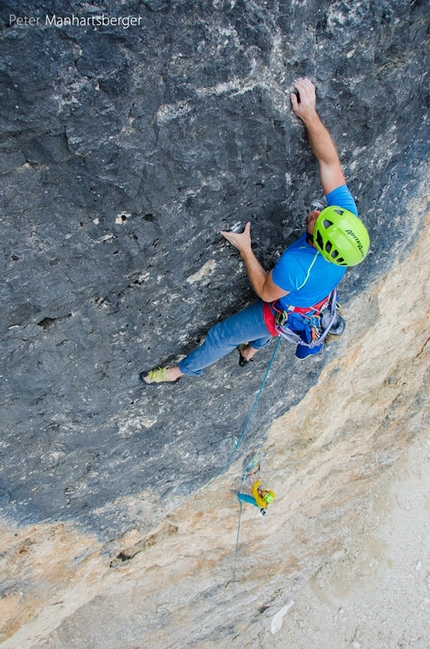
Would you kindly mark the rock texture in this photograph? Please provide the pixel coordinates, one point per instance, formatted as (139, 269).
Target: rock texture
(124, 151)
(376, 591)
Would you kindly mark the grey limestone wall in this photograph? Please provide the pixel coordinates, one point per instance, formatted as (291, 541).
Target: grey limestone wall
(123, 152)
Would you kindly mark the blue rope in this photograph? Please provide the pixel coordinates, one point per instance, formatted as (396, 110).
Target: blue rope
(239, 441)
(237, 541)
(237, 547)
(233, 453)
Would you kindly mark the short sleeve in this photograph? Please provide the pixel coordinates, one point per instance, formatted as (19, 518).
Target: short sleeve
(342, 197)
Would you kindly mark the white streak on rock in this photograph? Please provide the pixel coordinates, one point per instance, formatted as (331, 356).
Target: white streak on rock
(277, 619)
(207, 269)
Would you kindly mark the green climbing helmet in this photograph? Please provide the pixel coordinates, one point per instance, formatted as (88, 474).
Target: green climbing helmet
(341, 237)
(269, 497)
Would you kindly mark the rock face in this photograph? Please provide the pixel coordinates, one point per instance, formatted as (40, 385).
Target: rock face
(124, 151)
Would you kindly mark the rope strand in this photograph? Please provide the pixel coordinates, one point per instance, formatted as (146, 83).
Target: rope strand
(241, 436)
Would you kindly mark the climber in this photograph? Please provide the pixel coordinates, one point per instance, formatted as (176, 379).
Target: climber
(260, 498)
(306, 272)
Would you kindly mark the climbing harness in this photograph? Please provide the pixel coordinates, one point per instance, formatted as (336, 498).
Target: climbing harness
(310, 327)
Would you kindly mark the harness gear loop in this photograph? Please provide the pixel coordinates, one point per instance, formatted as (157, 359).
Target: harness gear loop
(314, 323)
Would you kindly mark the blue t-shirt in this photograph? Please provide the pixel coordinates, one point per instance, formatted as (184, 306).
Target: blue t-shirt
(303, 271)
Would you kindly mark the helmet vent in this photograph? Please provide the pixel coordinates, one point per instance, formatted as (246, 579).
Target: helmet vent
(328, 246)
(320, 241)
(338, 211)
(326, 223)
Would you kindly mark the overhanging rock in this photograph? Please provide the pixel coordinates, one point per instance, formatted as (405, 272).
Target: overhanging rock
(123, 153)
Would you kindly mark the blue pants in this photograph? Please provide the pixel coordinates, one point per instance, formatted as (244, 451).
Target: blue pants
(245, 326)
(247, 499)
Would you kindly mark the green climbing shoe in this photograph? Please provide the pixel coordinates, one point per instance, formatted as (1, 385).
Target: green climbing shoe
(154, 377)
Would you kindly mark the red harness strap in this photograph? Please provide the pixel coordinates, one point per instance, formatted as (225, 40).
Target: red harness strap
(269, 313)
(269, 319)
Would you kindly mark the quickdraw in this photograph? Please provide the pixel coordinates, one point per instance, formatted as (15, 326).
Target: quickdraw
(310, 328)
